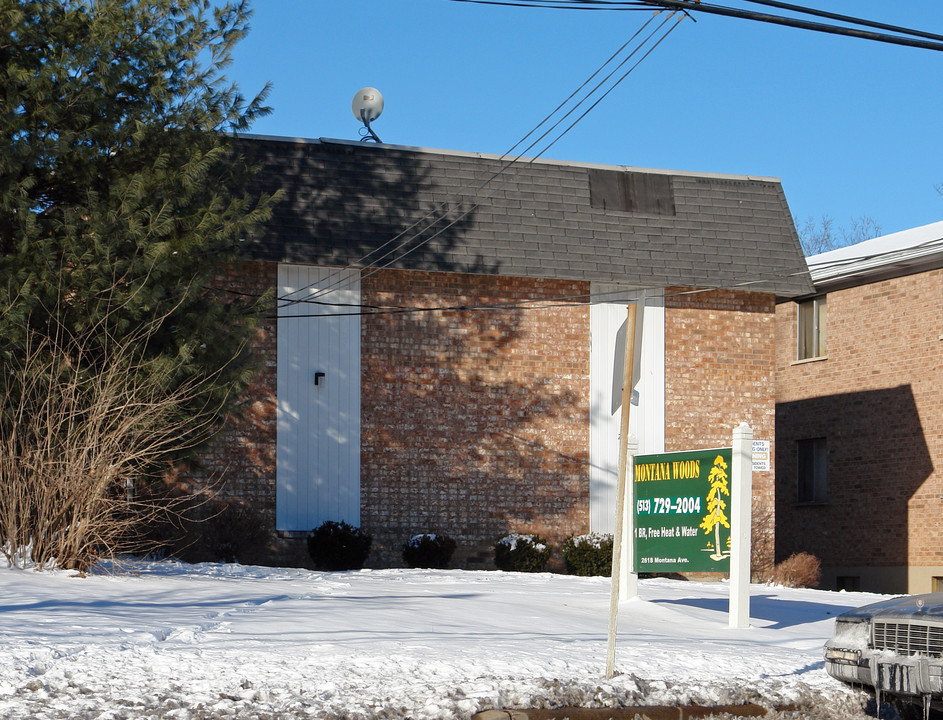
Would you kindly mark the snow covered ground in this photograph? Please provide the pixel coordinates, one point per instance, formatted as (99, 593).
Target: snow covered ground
(168, 640)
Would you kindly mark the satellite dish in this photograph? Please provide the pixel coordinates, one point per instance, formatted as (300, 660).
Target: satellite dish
(367, 105)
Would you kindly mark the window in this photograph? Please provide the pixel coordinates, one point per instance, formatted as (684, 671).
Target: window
(813, 336)
(849, 583)
(811, 463)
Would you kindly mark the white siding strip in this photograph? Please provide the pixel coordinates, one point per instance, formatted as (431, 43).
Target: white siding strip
(318, 460)
(647, 418)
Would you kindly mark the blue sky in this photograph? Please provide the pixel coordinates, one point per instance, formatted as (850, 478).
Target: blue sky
(852, 127)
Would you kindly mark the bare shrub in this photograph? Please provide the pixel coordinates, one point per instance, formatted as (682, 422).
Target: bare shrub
(800, 570)
(74, 441)
(762, 541)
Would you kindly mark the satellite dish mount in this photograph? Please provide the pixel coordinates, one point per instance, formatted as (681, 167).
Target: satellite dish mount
(367, 106)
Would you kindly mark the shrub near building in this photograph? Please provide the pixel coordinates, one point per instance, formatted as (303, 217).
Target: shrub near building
(521, 553)
(589, 554)
(339, 546)
(428, 551)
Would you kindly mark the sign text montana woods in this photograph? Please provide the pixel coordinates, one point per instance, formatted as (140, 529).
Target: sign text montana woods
(682, 511)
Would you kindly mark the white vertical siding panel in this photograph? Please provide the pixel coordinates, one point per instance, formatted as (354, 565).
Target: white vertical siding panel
(603, 470)
(646, 421)
(302, 329)
(318, 462)
(329, 402)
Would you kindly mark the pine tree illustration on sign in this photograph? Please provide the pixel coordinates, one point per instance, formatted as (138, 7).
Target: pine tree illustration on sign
(715, 507)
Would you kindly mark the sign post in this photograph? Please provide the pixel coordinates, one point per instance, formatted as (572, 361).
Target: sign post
(617, 539)
(692, 513)
(741, 524)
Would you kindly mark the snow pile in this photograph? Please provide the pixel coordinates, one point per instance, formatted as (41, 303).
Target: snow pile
(168, 640)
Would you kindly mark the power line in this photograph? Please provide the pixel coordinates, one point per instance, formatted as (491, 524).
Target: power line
(847, 19)
(903, 36)
(581, 299)
(442, 211)
(565, 4)
(804, 24)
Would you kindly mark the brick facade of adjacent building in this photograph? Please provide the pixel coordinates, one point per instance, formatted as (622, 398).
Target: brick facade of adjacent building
(877, 399)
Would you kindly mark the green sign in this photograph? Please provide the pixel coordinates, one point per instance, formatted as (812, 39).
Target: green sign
(682, 511)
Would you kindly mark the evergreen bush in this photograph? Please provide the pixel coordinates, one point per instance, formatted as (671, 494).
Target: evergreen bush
(339, 546)
(428, 551)
(589, 554)
(521, 553)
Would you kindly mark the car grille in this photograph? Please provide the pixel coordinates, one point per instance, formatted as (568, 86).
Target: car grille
(908, 638)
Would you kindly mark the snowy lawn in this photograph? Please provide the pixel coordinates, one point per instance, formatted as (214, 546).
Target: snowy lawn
(168, 640)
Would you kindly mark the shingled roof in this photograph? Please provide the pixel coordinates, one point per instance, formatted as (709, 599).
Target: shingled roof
(357, 205)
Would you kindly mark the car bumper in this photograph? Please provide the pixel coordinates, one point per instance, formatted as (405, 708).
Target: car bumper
(888, 673)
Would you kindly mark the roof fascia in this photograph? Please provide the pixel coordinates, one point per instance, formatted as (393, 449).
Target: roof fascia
(510, 158)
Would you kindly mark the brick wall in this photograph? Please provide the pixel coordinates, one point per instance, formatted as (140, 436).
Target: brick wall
(239, 462)
(878, 401)
(474, 422)
(719, 371)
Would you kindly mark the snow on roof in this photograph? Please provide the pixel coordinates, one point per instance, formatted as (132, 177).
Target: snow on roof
(883, 255)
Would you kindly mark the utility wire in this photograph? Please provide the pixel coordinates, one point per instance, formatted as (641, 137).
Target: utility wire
(847, 19)
(478, 202)
(332, 281)
(603, 96)
(798, 23)
(337, 278)
(581, 299)
(684, 5)
(598, 298)
(562, 4)
(903, 36)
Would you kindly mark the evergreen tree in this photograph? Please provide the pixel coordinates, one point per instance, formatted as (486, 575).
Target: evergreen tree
(122, 193)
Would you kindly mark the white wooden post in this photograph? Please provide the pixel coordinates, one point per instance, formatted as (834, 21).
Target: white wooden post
(740, 526)
(616, 583)
(628, 575)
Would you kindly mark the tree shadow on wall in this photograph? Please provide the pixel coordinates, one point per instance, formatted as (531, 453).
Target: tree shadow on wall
(340, 204)
(877, 463)
(475, 423)
(461, 409)
(350, 205)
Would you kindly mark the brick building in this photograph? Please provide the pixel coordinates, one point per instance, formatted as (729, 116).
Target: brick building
(859, 415)
(447, 354)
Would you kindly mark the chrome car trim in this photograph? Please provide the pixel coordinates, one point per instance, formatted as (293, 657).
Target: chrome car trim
(907, 637)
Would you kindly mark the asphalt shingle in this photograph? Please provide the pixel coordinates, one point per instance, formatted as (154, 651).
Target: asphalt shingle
(341, 200)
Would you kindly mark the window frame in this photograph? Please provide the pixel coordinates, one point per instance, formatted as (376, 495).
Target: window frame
(817, 335)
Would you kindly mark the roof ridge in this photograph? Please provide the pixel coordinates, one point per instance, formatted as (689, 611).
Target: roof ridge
(529, 160)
